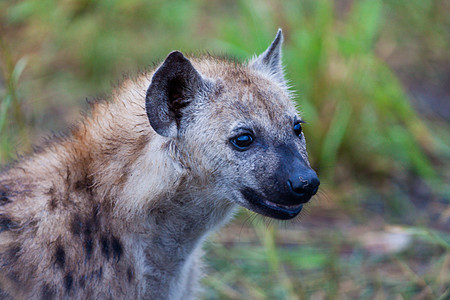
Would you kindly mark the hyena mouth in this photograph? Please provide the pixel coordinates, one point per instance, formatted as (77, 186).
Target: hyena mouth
(268, 208)
(285, 207)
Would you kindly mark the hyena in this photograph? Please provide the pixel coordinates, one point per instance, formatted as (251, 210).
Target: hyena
(119, 208)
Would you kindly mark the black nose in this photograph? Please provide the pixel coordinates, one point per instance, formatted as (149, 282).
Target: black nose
(304, 184)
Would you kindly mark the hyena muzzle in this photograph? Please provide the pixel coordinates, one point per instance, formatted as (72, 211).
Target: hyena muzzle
(119, 208)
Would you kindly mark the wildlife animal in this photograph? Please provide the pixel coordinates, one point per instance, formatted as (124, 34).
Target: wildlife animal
(119, 208)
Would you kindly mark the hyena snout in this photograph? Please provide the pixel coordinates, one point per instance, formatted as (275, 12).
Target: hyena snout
(282, 195)
(303, 183)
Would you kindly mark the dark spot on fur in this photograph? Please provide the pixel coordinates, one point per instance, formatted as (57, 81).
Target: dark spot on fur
(14, 276)
(117, 248)
(60, 256)
(68, 281)
(47, 292)
(80, 185)
(91, 225)
(82, 281)
(7, 224)
(84, 185)
(88, 246)
(105, 247)
(85, 230)
(13, 253)
(88, 228)
(130, 274)
(53, 202)
(76, 225)
(4, 199)
(95, 213)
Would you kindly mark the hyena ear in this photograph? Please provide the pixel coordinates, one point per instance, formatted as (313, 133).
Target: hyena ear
(174, 85)
(269, 61)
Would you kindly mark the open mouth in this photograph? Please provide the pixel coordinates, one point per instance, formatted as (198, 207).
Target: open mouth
(269, 208)
(290, 208)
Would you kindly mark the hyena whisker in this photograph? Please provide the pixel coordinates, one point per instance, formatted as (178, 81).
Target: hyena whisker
(323, 195)
(247, 221)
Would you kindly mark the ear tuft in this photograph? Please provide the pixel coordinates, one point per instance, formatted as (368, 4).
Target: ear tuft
(269, 61)
(174, 85)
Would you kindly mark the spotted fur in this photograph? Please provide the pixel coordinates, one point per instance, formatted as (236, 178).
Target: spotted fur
(119, 208)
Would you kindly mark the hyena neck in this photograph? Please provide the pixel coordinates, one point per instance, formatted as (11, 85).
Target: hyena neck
(174, 215)
(172, 241)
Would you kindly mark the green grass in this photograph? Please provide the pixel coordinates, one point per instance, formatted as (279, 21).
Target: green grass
(380, 162)
(262, 262)
(10, 107)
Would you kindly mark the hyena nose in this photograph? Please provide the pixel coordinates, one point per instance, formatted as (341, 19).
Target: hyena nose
(304, 185)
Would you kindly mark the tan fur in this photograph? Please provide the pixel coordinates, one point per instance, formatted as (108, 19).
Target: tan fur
(116, 211)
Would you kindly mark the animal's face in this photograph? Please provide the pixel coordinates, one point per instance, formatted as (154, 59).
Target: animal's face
(239, 127)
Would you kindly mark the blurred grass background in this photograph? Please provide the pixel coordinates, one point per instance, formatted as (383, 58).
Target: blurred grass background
(372, 82)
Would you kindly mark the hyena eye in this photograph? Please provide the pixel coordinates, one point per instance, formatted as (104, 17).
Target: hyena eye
(242, 142)
(298, 128)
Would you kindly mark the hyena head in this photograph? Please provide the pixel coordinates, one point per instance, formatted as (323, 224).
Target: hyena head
(237, 127)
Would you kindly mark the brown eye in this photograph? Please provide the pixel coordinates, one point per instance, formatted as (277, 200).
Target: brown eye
(298, 128)
(242, 142)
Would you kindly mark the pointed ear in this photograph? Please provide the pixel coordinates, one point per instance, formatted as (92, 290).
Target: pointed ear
(269, 61)
(174, 85)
